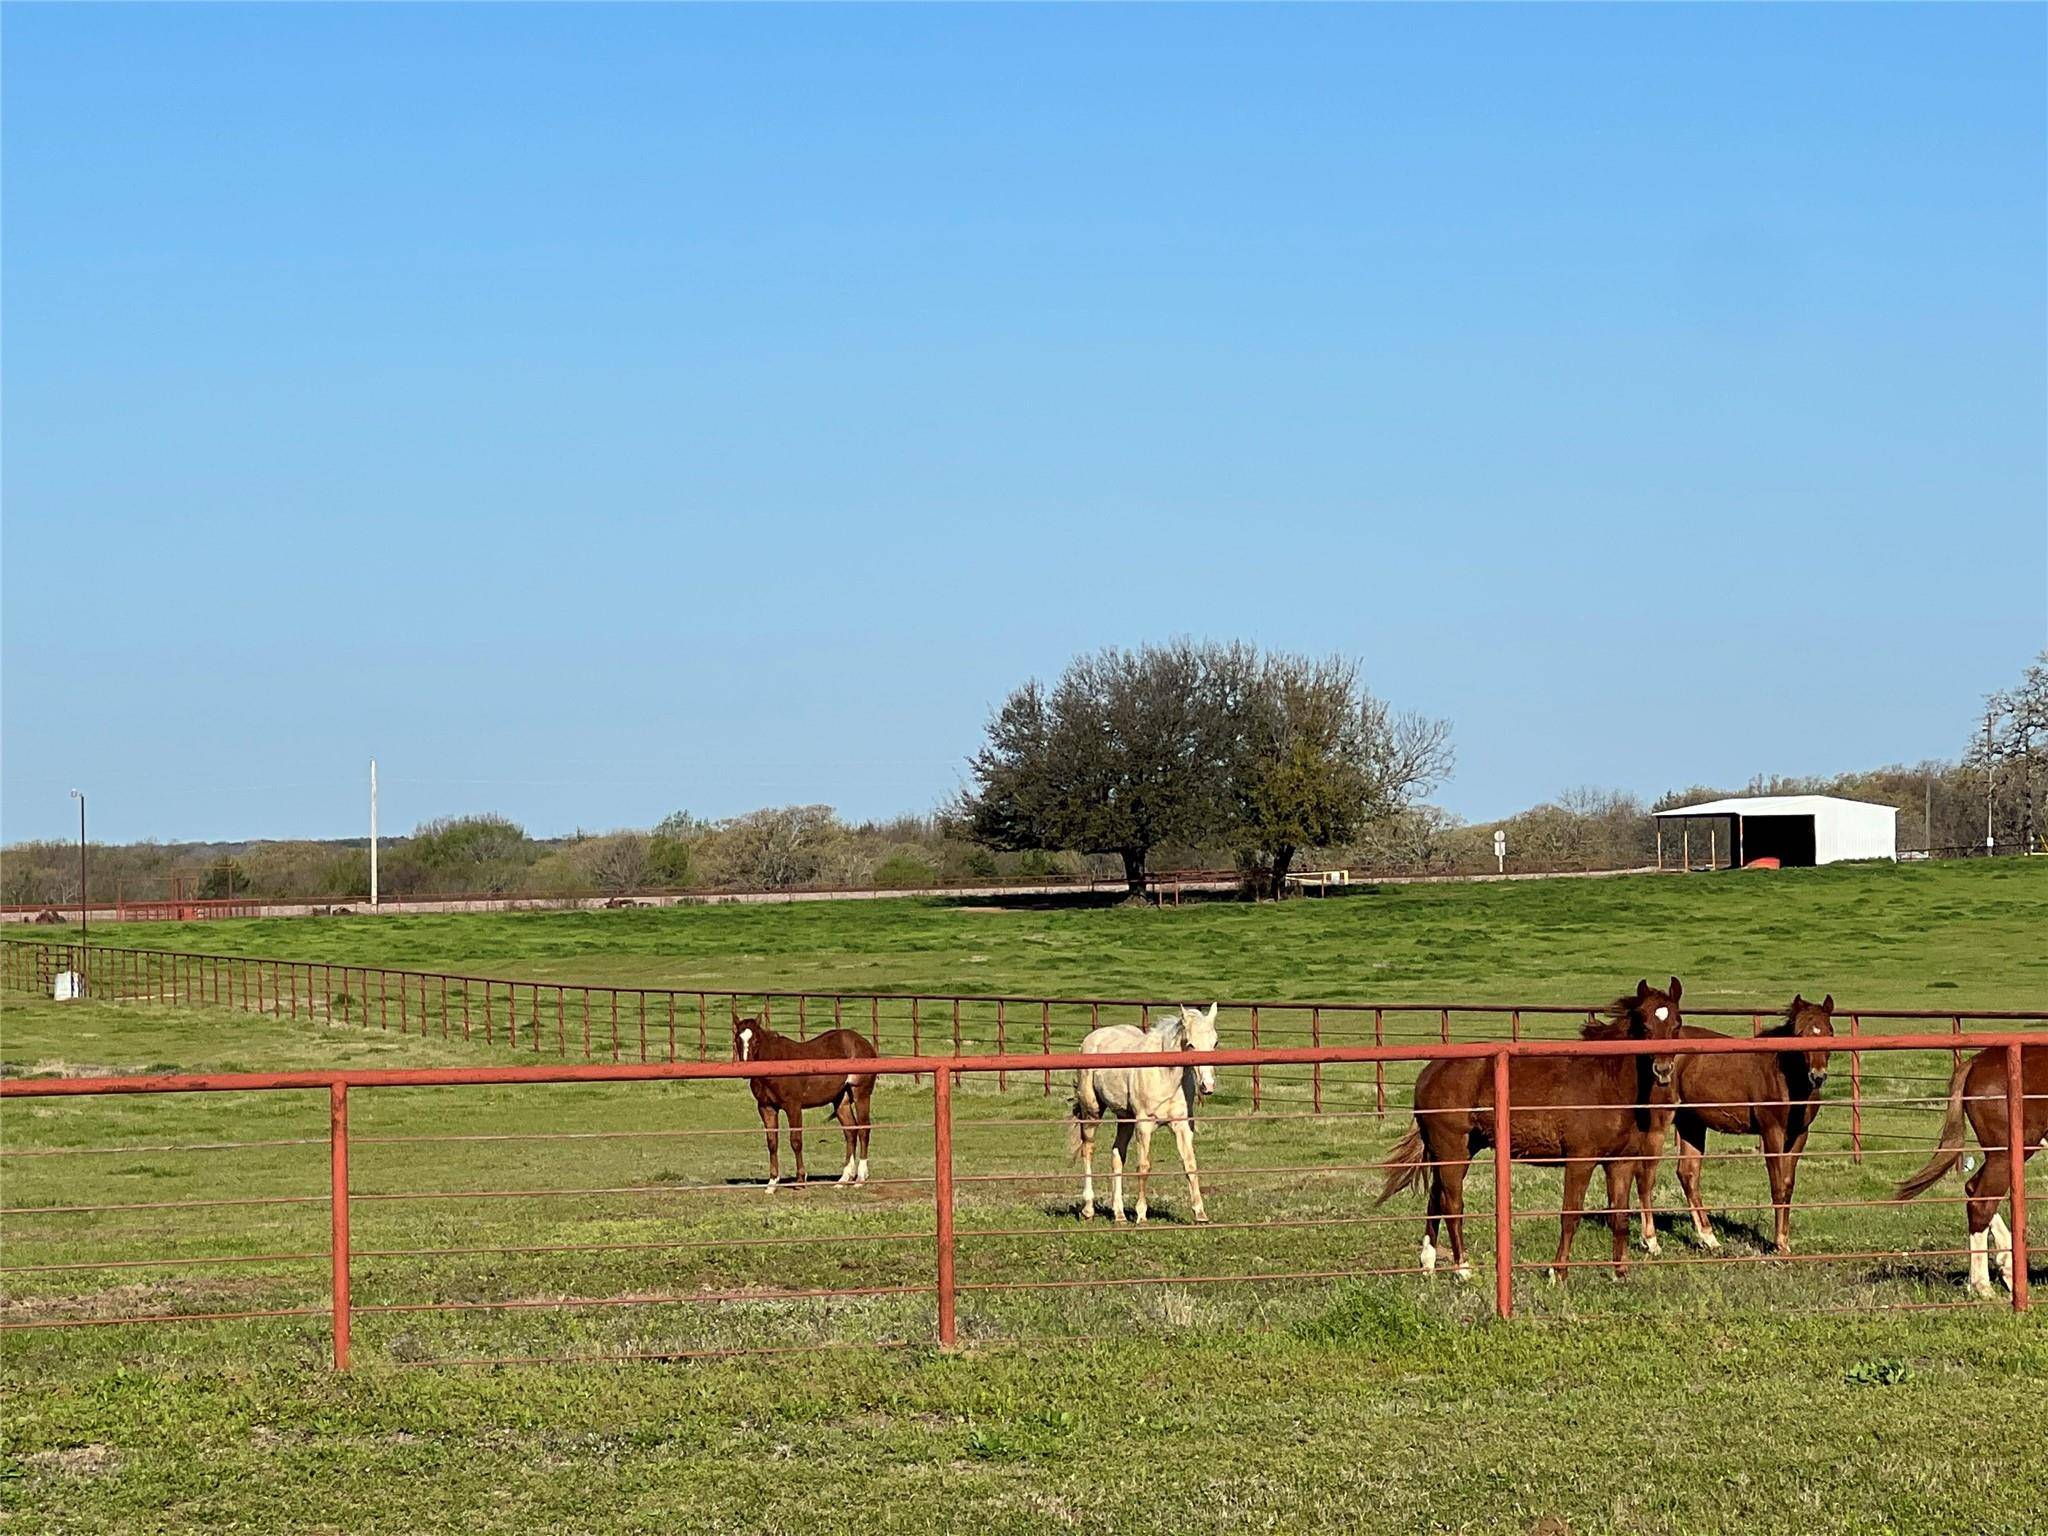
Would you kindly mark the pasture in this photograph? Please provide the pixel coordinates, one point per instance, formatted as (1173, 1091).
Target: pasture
(1751, 1395)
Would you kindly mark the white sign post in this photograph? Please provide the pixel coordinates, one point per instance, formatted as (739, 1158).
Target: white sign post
(1500, 851)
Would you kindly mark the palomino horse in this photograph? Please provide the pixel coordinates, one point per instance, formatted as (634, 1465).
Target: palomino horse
(849, 1096)
(1573, 1111)
(1773, 1098)
(1978, 1089)
(1140, 1098)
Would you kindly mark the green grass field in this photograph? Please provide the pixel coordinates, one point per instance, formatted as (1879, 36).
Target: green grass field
(1751, 1396)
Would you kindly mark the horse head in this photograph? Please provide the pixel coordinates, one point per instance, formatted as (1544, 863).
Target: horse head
(746, 1039)
(1653, 1015)
(1198, 1033)
(1813, 1021)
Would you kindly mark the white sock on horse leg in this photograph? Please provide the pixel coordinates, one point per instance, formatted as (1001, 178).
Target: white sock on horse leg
(1980, 1269)
(1428, 1257)
(2001, 1248)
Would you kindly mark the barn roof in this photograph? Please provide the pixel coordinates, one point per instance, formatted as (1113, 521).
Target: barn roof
(1774, 805)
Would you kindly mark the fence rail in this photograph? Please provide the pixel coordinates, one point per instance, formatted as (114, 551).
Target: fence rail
(600, 1022)
(940, 1283)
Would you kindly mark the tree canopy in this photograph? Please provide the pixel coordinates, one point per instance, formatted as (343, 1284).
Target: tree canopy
(1189, 743)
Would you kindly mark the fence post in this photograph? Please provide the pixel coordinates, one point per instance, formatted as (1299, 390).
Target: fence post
(1045, 1045)
(1315, 1035)
(2016, 1163)
(337, 1163)
(1855, 1092)
(1379, 1068)
(942, 1196)
(1002, 1048)
(1503, 1204)
(1255, 1065)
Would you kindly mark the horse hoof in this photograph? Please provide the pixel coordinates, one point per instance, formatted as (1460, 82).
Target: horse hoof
(1709, 1242)
(1462, 1272)
(772, 1183)
(1087, 1213)
(1201, 1218)
(1652, 1247)
(1552, 1276)
(1983, 1290)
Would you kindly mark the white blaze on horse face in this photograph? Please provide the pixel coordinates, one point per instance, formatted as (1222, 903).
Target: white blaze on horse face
(746, 1042)
(1663, 1015)
(1200, 1027)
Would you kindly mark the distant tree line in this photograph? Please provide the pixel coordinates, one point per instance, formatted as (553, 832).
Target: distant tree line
(1169, 757)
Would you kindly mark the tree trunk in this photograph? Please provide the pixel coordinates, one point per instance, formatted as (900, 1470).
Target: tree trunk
(1283, 860)
(1134, 869)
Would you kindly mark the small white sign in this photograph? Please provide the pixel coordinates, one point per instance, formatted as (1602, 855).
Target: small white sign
(67, 985)
(1500, 844)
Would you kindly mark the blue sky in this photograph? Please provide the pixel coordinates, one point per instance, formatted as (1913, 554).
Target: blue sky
(595, 412)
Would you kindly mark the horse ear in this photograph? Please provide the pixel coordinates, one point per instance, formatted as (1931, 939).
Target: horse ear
(1211, 1016)
(1677, 989)
(1798, 1001)
(1827, 1004)
(1642, 989)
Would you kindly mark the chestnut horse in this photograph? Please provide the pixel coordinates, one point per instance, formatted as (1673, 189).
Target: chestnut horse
(848, 1096)
(1978, 1089)
(1569, 1111)
(1773, 1098)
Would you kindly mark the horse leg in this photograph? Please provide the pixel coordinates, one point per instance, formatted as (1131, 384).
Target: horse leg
(1146, 1126)
(1778, 1166)
(1184, 1141)
(1118, 1148)
(1085, 1128)
(843, 1112)
(774, 1145)
(1691, 1154)
(1794, 1150)
(796, 1137)
(864, 1124)
(1453, 1207)
(1436, 1197)
(1577, 1174)
(1621, 1178)
(1645, 1181)
(1985, 1192)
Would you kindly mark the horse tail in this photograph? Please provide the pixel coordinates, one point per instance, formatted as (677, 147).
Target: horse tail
(1074, 1135)
(1948, 1150)
(1403, 1167)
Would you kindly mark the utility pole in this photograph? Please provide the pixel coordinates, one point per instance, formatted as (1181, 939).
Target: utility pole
(1927, 816)
(373, 832)
(1989, 770)
(79, 796)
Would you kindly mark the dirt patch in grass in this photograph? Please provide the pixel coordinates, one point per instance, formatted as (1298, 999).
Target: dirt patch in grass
(75, 1461)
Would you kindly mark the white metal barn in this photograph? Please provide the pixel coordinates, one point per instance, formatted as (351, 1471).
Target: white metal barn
(1793, 829)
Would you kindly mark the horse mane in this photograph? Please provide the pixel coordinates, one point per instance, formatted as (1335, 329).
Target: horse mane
(1620, 1021)
(1172, 1033)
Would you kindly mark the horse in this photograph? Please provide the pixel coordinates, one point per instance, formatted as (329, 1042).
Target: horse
(1978, 1089)
(1569, 1111)
(1140, 1098)
(1773, 1098)
(849, 1097)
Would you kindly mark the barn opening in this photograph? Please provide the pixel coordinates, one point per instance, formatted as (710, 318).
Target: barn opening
(1790, 831)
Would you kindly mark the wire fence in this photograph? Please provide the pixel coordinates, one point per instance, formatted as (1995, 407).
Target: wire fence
(535, 1244)
(573, 1021)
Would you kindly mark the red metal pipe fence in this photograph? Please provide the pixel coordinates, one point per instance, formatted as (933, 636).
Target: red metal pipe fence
(944, 1285)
